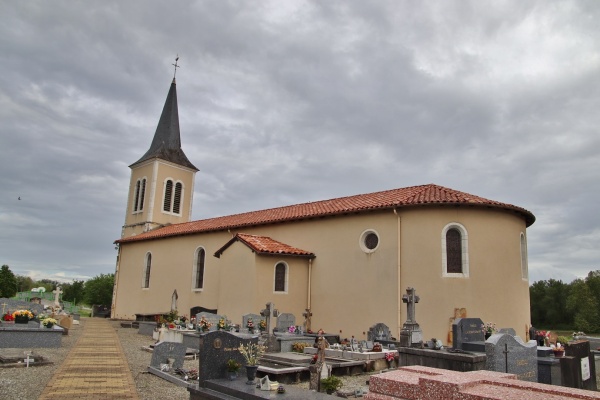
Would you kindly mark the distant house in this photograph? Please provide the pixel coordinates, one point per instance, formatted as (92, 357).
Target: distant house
(349, 260)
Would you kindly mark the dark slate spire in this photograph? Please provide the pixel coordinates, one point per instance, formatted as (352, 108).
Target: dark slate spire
(166, 144)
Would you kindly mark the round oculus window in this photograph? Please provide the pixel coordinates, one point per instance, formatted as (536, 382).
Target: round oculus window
(369, 241)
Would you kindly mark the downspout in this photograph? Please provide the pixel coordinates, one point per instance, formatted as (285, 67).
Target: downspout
(399, 272)
(309, 288)
(116, 285)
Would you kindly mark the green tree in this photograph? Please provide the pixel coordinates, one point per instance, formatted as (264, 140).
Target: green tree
(73, 292)
(584, 307)
(537, 294)
(99, 290)
(593, 282)
(24, 283)
(8, 282)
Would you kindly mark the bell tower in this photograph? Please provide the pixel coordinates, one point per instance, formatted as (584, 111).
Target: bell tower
(162, 181)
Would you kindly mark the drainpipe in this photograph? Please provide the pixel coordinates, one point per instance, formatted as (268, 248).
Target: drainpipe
(116, 285)
(309, 279)
(399, 272)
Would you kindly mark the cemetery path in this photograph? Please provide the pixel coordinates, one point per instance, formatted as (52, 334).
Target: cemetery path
(95, 368)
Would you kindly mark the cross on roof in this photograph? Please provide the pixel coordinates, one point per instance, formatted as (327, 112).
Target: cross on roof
(176, 66)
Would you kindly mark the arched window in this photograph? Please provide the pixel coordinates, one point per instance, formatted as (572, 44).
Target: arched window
(146, 278)
(198, 275)
(173, 197)
(168, 195)
(137, 196)
(177, 198)
(281, 277)
(455, 255)
(524, 266)
(140, 190)
(142, 195)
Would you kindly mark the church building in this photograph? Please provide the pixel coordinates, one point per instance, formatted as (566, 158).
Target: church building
(348, 260)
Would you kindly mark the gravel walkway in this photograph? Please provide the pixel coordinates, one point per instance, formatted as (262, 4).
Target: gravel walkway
(28, 383)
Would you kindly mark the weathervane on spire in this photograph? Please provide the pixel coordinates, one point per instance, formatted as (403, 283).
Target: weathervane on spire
(176, 66)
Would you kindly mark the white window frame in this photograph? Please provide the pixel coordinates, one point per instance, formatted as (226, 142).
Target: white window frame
(287, 277)
(524, 257)
(464, 238)
(195, 270)
(363, 236)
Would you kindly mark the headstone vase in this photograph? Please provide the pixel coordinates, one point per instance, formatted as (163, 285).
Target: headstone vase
(251, 373)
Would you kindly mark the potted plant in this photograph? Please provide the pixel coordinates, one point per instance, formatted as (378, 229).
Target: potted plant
(558, 349)
(331, 384)
(204, 325)
(252, 353)
(488, 329)
(49, 322)
(232, 368)
(22, 316)
(262, 325)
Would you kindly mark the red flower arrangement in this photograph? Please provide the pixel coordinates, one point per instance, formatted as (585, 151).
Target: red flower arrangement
(8, 317)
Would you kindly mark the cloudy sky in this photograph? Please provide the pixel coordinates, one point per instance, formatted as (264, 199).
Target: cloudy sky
(288, 102)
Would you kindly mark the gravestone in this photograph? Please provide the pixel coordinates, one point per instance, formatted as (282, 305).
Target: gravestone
(284, 321)
(13, 305)
(379, 332)
(198, 310)
(466, 332)
(411, 334)
(212, 318)
(509, 354)
(269, 312)
(256, 318)
(307, 314)
(508, 331)
(216, 348)
(164, 351)
(57, 292)
(578, 367)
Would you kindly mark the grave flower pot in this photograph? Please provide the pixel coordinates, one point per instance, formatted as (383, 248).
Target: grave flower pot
(559, 353)
(21, 319)
(251, 373)
(49, 325)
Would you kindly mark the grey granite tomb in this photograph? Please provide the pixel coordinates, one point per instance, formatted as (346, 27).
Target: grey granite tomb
(379, 332)
(509, 354)
(218, 347)
(467, 334)
(256, 318)
(284, 321)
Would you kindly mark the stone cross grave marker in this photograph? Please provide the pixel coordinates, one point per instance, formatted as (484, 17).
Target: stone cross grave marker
(216, 348)
(410, 299)
(467, 330)
(379, 331)
(4, 308)
(57, 292)
(268, 313)
(307, 314)
(163, 351)
(256, 318)
(284, 321)
(509, 354)
(411, 333)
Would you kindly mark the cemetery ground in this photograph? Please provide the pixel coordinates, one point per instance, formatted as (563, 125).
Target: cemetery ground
(37, 382)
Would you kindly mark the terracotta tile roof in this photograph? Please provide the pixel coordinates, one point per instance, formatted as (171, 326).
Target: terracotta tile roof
(414, 196)
(265, 245)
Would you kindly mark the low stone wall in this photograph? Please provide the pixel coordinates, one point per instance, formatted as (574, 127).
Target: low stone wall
(29, 336)
(417, 382)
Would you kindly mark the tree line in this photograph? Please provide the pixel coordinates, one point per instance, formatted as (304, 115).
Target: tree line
(567, 306)
(97, 290)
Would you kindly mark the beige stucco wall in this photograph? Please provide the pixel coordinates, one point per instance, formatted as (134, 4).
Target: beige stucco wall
(156, 173)
(350, 289)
